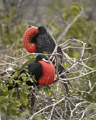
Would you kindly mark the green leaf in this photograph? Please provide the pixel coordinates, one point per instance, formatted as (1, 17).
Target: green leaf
(23, 76)
(23, 98)
(13, 111)
(4, 106)
(18, 81)
(2, 98)
(30, 79)
(3, 90)
(13, 77)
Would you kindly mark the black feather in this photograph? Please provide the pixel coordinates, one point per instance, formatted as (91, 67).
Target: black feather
(35, 69)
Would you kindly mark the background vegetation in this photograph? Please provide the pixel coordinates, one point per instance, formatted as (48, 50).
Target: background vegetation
(74, 27)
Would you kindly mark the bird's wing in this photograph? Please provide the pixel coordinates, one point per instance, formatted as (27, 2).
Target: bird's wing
(35, 68)
(52, 41)
(45, 44)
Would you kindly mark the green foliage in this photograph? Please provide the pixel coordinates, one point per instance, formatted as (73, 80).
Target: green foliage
(90, 96)
(23, 94)
(8, 102)
(30, 58)
(70, 12)
(12, 100)
(3, 90)
(13, 77)
(82, 29)
(11, 28)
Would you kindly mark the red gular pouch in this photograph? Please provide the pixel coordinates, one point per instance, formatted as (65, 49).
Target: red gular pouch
(48, 73)
(27, 39)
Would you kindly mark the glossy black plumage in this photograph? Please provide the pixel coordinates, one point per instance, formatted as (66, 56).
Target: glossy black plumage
(35, 69)
(45, 43)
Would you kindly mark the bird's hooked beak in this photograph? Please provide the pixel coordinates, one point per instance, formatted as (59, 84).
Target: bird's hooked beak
(32, 26)
(45, 60)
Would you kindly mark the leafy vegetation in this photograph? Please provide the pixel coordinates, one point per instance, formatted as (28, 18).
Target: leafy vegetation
(20, 101)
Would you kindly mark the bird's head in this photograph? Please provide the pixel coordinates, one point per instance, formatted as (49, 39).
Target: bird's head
(29, 38)
(42, 30)
(41, 57)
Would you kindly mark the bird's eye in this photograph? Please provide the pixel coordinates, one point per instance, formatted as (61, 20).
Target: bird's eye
(30, 26)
